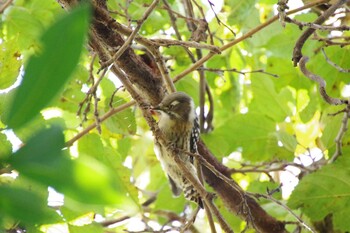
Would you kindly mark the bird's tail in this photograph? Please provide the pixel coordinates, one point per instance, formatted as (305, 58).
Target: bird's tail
(191, 194)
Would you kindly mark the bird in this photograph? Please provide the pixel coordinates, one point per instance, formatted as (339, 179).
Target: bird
(179, 124)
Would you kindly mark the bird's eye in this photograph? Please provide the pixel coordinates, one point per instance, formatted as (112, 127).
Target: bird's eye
(173, 104)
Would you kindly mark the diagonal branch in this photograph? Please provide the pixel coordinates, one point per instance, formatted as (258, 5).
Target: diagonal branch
(340, 69)
(131, 37)
(104, 117)
(5, 5)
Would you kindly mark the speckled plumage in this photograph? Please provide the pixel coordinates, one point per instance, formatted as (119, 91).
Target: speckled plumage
(179, 124)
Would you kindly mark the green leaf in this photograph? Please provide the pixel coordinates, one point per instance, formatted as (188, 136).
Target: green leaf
(22, 25)
(308, 112)
(288, 75)
(268, 101)
(41, 153)
(123, 122)
(9, 63)
(6, 146)
(89, 228)
(47, 72)
(25, 206)
(25, 20)
(166, 200)
(288, 141)
(43, 160)
(282, 44)
(243, 11)
(72, 95)
(325, 191)
(250, 132)
(332, 126)
(92, 145)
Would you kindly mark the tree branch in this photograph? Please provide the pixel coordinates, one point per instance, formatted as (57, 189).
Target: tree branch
(340, 69)
(321, 82)
(297, 54)
(5, 5)
(242, 38)
(341, 132)
(104, 117)
(131, 37)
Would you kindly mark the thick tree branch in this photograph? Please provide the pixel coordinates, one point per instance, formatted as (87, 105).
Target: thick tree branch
(232, 197)
(139, 73)
(131, 37)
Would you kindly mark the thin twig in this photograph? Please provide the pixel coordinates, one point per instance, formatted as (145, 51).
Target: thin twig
(242, 38)
(321, 82)
(104, 117)
(268, 167)
(174, 26)
(268, 197)
(340, 135)
(188, 44)
(96, 114)
(5, 5)
(245, 206)
(162, 68)
(297, 53)
(218, 19)
(238, 71)
(107, 223)
(203, 24)
(329, 41)
(318, 26)
(340, 69)
(92, 91)
(131, 37)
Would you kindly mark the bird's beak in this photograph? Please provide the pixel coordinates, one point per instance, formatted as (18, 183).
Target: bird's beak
(156, 110)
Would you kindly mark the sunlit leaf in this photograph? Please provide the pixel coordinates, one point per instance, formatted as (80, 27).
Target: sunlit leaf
(269, 102)
(123, 122)
(9, 63)
(89, 228)
(47, 72)
(250, 134)
(288, 141)
(325, 191)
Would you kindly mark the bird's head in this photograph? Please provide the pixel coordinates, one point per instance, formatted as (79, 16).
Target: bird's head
(177, 106)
